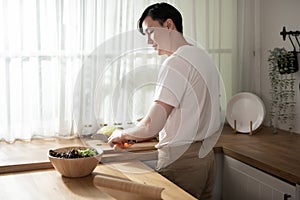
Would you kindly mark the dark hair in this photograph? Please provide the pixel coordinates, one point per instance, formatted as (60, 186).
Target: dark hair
(161, 12)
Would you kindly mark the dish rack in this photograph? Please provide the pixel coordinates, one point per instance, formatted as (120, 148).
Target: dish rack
(251, 132)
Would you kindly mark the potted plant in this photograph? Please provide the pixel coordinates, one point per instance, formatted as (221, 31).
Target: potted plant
(282, 65)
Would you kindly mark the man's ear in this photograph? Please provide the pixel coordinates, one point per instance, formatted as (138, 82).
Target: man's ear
(169, 24)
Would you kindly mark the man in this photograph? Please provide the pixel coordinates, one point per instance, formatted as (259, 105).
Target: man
(185, 109)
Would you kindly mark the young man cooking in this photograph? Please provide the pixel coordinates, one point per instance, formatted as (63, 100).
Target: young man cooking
(185, 110)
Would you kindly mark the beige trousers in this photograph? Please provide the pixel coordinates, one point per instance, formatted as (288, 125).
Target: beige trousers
(193, 174)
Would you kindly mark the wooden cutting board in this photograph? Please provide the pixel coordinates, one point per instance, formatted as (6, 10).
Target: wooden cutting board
(142, 146)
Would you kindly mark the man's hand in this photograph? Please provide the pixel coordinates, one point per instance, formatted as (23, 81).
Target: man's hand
(120, 140)
(116, 140)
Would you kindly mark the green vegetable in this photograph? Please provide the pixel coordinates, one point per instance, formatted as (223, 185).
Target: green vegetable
(87, 152)
(108, 130)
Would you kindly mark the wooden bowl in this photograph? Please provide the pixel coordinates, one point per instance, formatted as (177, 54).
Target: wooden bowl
(74, 167)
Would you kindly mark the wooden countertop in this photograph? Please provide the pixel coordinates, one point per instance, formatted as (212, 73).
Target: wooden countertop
(48, 184)
(277, 154)
(32, 155)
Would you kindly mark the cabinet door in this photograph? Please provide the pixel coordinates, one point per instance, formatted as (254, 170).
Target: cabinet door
(242, 181)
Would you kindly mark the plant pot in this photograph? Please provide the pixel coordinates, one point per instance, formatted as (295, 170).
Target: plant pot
(288, 63)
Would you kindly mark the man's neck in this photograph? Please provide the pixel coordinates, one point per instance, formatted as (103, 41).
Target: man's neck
(178, 42)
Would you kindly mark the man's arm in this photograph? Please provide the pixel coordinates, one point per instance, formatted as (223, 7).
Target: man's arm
(146, 129)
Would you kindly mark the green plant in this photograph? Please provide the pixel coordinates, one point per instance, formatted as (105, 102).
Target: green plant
(281, 74)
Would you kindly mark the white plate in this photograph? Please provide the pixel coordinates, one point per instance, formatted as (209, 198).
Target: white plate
(245, 107)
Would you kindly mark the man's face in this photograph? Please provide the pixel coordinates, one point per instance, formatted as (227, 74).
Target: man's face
(157, 35)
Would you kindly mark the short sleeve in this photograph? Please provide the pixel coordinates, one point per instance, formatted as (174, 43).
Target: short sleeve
(172, 81)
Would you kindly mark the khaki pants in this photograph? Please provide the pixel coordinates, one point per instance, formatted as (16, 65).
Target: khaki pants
(193, 174)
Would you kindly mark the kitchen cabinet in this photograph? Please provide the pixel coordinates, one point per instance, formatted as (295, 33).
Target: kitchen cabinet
(242, 181)
(219, 176)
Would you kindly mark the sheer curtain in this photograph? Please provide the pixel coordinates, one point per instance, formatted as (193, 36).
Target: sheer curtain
(247, 46)
(64, 63)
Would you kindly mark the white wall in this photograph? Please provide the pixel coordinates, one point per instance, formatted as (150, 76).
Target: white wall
(274, 15)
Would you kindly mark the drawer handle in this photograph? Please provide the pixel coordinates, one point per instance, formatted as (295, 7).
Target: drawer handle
(287, 196)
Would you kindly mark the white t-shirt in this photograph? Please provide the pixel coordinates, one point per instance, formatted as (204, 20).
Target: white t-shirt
(188, 81)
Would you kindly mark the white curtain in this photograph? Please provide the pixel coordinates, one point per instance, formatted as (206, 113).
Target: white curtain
(247, 46)
(68, 66)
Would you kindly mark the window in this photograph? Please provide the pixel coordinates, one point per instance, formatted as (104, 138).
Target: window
(44, 45)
